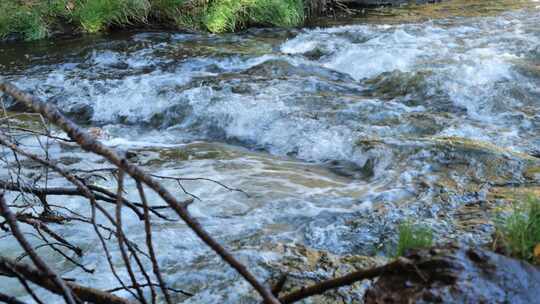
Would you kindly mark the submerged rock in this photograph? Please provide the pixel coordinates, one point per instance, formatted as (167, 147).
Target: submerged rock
(80, 112)
(305, 266)
(10, 104)
(458, 275)
(472, 160)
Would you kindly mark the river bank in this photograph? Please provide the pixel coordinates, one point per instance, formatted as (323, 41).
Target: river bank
(32, 20)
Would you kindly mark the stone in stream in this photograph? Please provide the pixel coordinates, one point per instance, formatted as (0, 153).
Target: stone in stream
(467, 184)
(458, 275)
(305, 266)
(10, 104)
(79, 112)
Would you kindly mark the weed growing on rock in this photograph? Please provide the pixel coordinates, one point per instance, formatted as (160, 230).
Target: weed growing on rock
(519, 232)
(411, 236)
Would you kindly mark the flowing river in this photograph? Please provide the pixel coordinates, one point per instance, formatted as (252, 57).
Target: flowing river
(335, 135)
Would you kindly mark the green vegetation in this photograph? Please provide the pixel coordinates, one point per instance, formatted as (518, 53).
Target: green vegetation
(31, 19)
(519, 232)
(413, 237)
(95, 15)
(35, 19)
(229, 15)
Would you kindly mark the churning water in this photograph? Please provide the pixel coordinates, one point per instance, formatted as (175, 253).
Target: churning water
(336, 134)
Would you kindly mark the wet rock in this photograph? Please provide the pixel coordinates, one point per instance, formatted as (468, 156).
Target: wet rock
(69, 160)
(458, 275)
(80, 112)
(284, 69)
(533, 174)
(172, 115)
(457, 196)
(351, 169)
(535, 153)
(412, 89)
(425, 124)
(11, 104)
(513, 194)
(474, 161)
(305, 266)
(315, 54)
(158, 156)
(131, 155)
(390, 85)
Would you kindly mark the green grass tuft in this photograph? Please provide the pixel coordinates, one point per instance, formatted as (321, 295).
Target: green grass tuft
(167, 9)
(230, 15)
(413, 237)
(224, 16)
(190, 14)
(97, 15)
(29, 18)
(520, 231)
(33, 19)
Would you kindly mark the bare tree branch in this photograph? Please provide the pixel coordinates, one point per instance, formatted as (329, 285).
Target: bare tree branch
(153, 258)
(40, 264)
(9, 300)
(89, 143)
(37, 277)
(120, 238)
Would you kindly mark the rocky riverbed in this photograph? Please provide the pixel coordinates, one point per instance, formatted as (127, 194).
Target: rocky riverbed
(334, 135)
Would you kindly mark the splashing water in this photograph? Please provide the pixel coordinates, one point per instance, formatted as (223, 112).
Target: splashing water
(337, 133)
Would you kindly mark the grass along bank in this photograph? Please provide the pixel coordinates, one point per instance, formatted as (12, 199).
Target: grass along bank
(37, 19)
(518, 234)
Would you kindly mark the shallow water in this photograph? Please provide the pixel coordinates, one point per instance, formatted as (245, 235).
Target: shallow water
(336, 134)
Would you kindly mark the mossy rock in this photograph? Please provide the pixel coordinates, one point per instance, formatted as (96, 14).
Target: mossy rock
(466, 144)
(445, 9)
(157, 156)
(482, 161)
(514, 194)
(30, 121)
(306, 266)
(532, 173)
(173, 154)
(390, 85)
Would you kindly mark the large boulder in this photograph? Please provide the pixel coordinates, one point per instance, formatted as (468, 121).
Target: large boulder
(458, 275)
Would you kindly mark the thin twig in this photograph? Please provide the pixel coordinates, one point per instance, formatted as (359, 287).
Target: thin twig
(9, 300)
(40, 264)
(89, 143)
(44, 280)
(149, 244)
(120, 237)
(157, 285)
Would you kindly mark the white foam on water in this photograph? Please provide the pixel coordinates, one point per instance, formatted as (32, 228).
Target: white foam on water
(315, 109)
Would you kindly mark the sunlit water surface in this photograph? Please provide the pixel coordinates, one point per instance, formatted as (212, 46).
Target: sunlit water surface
(336, 134)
